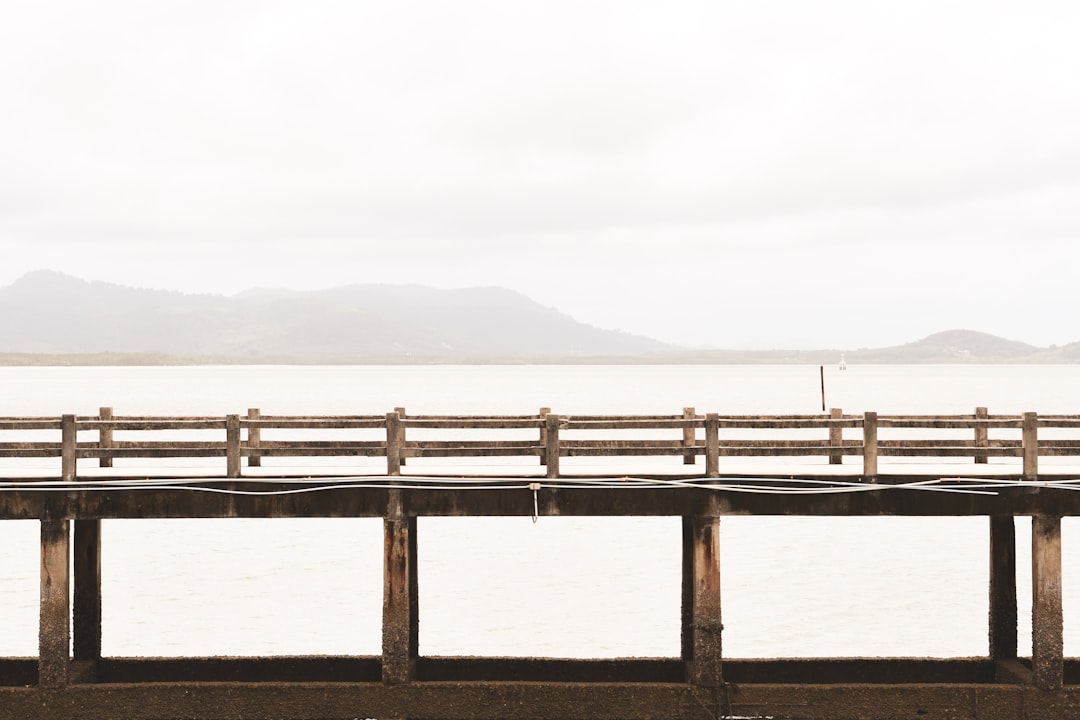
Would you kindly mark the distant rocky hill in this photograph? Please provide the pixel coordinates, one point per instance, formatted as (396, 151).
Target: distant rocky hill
(954, 346)
(950, 346)
(52, 313)
(52, 318)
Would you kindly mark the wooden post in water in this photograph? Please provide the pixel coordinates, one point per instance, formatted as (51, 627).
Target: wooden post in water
(836, 436)
(1031, 445)
(401, 617)
(232, 446)
(701, 618)
(393, 444)
(1047, 650)
(105, 436)
(1003, 613)
(982, 436)
(712, 445)
(689, 436)
(254, 438)
(551, 452)
(870, 446)
(54, 627)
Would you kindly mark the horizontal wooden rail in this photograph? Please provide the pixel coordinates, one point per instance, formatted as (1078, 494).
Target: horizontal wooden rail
(399, 437)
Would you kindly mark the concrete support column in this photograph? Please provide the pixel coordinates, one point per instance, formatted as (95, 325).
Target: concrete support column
(1046, 617)
(701, 618)
(54, 627)
(1003, 613)
(401, 617)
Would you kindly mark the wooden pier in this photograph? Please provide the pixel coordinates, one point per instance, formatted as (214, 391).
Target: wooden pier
(94, 468)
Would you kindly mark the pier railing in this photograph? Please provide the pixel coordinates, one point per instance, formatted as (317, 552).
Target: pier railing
(71, 678)
(398, 437)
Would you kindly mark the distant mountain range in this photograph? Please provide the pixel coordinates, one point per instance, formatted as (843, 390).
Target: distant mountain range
(51, 313)
(52, 318)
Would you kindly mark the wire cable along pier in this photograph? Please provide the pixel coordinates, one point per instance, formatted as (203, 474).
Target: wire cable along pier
(73, 471)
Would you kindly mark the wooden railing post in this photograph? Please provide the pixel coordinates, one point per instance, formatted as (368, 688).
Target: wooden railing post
(702, 628)
(400, 630)
(836, 436)
(544, 412)
(689, 436)
(105, 437)
(551, 445)
(712, 445)
(1047, 646)
(1031, 445)
(982, 436)
(870, 446)
(401, 434)
(232, 446)
(254, 437)
(393, 443)
(68, 446)
(54, 626)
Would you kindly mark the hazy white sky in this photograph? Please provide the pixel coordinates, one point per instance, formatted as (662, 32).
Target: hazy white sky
(837, 173)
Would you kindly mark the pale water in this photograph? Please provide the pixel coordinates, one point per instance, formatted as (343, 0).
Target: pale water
(563, 587)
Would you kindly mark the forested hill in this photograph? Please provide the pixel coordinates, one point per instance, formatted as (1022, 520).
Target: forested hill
(51, 313)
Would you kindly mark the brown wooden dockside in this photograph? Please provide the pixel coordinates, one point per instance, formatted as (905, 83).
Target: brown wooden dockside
(700, 467)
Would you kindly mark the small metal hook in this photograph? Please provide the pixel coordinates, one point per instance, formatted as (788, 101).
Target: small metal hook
(535, 487)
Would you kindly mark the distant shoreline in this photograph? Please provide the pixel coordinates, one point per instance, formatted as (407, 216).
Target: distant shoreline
(704, 357)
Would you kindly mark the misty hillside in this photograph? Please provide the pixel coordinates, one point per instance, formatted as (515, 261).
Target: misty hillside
(48, 312)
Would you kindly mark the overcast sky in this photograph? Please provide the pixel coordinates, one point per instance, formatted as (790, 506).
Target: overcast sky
(836, 173)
